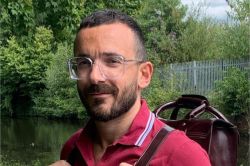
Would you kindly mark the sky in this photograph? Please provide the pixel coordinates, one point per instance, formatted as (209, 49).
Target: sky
(214, 8)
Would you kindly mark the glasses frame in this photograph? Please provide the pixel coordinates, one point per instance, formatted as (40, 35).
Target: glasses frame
(124, 61)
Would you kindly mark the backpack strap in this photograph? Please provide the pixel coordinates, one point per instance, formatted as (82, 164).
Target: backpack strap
(154, 145)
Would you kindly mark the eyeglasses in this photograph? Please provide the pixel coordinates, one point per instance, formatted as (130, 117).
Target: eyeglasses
(110, 66)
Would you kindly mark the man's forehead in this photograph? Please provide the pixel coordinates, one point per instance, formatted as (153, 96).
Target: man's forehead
(107, 36)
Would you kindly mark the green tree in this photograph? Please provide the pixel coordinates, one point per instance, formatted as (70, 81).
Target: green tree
(17, 19)
(162, 22)
(60, 98)
(130, 7)
(236, 39)
(62, 16)
(240, 10)
(200, 40)
(23, 69)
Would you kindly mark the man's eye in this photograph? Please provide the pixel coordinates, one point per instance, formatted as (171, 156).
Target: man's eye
(113, 60)
(83, 63)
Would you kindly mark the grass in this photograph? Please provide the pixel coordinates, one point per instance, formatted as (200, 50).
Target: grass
(6, 162)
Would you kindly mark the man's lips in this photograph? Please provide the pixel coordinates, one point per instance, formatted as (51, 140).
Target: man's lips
(99, 94)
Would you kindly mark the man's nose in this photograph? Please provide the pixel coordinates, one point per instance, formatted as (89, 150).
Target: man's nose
(96, 74)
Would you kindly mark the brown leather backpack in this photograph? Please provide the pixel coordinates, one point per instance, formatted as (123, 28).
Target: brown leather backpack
(216, 135)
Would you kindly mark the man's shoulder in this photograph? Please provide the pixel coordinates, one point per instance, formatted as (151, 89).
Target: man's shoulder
(176, 138)
(178, 148)
(70, 144)
(181, 149)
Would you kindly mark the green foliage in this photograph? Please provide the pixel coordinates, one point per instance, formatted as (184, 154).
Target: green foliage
(237, 34)
(17, 18)
(162, 22)
(240, 10)
(154, 13)
(61, 16)
(232, 94)
(130, 7)
(235, 41)
(200, 40)
(60, 98)
(23, 68)
(7, 162)
(64, 16)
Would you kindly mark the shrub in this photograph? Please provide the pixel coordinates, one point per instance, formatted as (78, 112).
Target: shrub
(60, 99)
(23, 67)
(232, 94)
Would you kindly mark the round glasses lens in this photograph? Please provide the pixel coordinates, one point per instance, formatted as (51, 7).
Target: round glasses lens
(111, 66)
(80, 67)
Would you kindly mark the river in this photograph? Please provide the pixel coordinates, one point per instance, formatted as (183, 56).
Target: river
(34, 141)
(37, 141)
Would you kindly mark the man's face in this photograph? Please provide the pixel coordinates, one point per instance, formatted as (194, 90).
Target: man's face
(107, 98)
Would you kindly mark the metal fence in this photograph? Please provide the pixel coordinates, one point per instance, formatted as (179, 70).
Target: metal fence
(199, 77)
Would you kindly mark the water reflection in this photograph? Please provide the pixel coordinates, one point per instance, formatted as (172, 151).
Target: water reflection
(34, 139)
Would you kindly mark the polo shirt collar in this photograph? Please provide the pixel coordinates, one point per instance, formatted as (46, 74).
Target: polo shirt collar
(140, 127)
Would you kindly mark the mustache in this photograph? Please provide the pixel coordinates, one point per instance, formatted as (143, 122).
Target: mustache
(102, 88)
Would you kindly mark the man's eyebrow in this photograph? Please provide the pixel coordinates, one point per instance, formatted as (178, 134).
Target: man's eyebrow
(82, 55)
(110, 54)
(101, 54)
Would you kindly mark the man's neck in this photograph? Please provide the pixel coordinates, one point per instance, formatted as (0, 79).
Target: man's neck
(109, 132)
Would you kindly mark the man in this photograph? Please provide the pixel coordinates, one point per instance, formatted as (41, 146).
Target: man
(111, 70)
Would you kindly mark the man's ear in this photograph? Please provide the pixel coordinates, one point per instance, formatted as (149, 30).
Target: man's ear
(145, 74)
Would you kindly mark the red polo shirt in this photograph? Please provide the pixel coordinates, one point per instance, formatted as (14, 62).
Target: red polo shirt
(177, 149)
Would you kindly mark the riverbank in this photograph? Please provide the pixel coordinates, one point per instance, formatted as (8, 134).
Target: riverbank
(34, 141)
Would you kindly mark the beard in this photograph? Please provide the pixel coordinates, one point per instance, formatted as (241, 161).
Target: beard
(122, 103)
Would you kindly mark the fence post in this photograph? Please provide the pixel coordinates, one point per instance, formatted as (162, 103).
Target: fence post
(195, 74)
(171, 76)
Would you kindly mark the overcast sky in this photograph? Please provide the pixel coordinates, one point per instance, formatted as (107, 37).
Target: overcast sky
(214, 8)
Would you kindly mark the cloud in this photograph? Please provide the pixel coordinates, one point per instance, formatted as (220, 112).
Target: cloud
(214, 8)
(219, 12)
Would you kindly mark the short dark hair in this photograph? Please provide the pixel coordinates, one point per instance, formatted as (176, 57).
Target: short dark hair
(109, 16)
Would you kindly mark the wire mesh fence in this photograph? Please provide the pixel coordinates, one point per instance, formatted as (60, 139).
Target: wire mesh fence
(199, 77)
